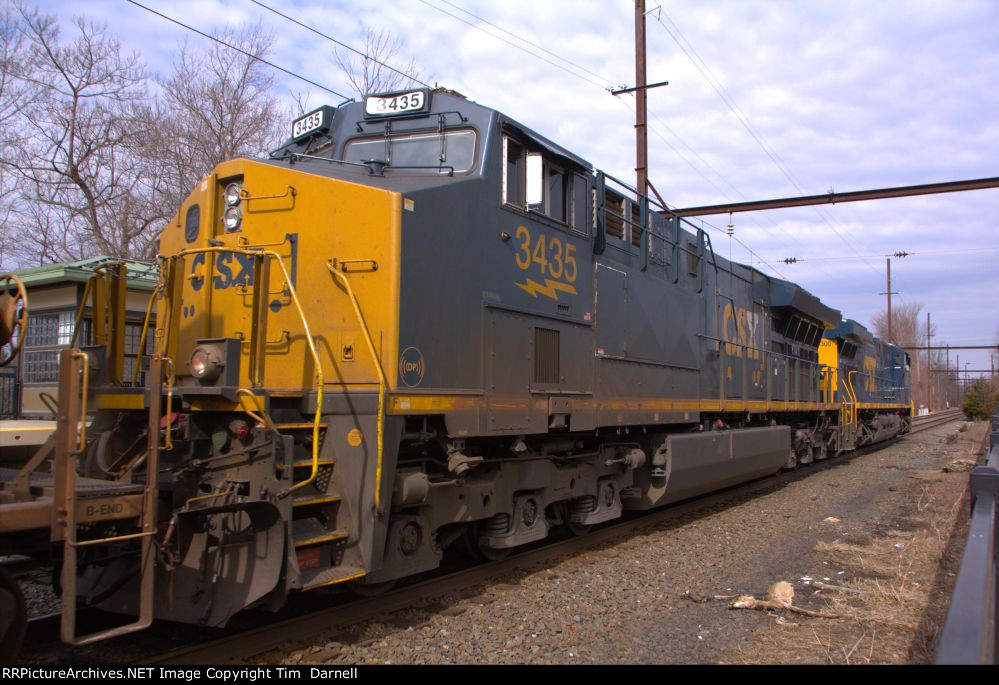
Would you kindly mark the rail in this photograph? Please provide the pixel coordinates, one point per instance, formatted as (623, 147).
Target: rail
(969, 635)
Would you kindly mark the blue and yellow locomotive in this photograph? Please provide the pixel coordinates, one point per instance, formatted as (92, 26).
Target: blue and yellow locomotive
(421, 322)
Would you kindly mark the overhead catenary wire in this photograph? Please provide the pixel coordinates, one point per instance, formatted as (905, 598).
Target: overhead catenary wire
(794, 260)
(531, 43)
(241, 51)
(607, 81)
(342, 44)
(729, 101)
(602, 86)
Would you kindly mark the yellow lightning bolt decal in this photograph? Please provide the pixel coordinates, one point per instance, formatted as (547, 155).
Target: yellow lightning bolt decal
(549, 289)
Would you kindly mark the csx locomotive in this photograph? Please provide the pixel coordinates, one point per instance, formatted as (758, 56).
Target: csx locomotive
(420, 322)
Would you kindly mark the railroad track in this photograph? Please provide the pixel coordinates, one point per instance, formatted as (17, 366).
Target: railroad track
(936, 419)
(340, 613)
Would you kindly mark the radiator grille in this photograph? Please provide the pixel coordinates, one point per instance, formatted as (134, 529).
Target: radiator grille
(546, 356)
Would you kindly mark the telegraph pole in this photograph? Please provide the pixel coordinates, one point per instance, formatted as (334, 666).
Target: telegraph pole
(889, 293)
(947, 377)
(641, 100)
(929, 367)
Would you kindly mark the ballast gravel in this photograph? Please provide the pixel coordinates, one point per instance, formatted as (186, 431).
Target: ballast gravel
(652, 598)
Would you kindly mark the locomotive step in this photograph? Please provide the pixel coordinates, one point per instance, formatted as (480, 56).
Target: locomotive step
(309, 499)
(307, 463)
(317, 578)
(298, 426)
(309, 532)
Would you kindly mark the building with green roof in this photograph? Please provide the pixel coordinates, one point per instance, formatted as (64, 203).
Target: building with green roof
(55, 292)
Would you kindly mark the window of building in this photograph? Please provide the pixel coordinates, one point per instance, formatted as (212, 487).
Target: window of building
(51, 329)
(40, 366)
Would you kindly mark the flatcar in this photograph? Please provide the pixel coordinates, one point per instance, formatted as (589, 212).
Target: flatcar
(419, 323)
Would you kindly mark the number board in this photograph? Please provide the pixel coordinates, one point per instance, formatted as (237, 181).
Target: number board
(317, 120)
(392, 104)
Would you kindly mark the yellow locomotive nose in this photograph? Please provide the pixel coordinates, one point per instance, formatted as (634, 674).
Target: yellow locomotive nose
(247, 238)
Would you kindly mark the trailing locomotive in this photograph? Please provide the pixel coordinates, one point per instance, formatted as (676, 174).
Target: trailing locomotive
(421, 322)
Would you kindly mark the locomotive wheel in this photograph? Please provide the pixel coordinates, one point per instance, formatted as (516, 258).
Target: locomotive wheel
(575, 529)
(13, 317)
(13, 618)
(480, 551)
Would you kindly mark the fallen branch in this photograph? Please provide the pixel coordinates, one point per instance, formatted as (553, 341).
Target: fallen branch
(750, 602)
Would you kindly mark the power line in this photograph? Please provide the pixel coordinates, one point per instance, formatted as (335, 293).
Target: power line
(241, 51)
(519, 47)
(725, 97)
(793, 260)
(521, 38)
(590, 81)
(729, 101)
(341, 44)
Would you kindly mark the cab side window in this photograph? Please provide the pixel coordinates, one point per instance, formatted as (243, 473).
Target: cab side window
(536, 182)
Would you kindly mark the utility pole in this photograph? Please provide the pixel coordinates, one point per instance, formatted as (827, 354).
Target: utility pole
(947, 377)
(642, 108)
(888, 291)
(929, 367)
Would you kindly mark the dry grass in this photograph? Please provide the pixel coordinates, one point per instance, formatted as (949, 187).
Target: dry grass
(898, 592)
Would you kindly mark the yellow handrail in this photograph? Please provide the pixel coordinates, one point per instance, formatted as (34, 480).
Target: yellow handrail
(168, 442)
(853, 397)
(142, 337)
(270, 254)
(260, 418)
(85, 373)
(83, 305)
(382, 381)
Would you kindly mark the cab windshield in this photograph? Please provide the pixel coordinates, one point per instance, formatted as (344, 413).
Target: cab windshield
(427, 151)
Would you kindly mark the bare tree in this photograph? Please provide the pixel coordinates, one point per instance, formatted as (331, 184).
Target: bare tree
(17, 93)
(219, 104)
(81, 184)
(369, 74)
(909, 331)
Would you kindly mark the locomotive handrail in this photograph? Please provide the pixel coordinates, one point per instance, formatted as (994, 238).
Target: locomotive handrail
(270, 254)
(142, 336)
(83, 305)
(170, 379)
(84, 382)
(260, 418)
(852, 415)
(382, 381)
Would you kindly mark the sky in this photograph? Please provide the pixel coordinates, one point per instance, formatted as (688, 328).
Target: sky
(766, 99)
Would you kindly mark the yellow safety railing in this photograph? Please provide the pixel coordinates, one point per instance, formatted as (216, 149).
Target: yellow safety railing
(84, 382)
(142, 337)
(852, 416)
(382, 381)
(270, 254)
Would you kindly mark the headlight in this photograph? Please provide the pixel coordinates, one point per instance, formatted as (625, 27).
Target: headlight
(232, 218)
(206, 362)
(233, 194)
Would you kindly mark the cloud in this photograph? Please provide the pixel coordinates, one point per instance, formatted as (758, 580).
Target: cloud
(848, 95)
